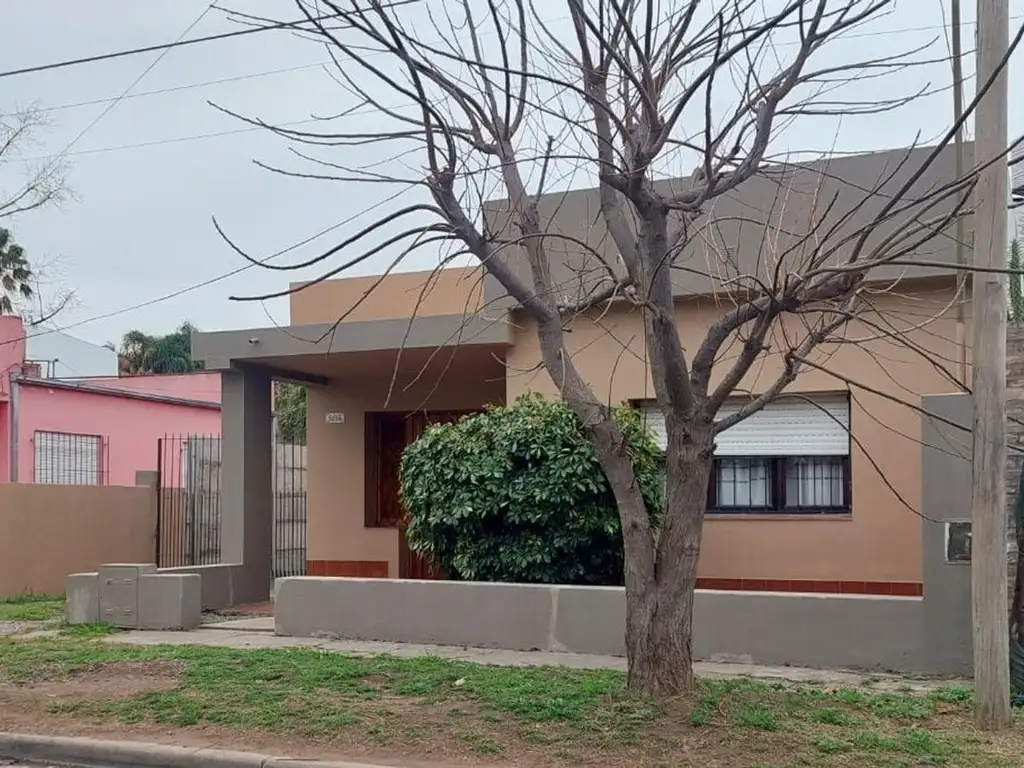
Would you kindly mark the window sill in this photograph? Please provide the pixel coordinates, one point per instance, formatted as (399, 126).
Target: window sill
(805, 516)
(385, 524)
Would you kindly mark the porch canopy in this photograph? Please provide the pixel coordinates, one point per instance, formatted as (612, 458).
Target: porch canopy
(317, 353)
(320, 354)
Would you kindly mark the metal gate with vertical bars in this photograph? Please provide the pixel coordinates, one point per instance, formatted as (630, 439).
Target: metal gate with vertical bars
(189, 503)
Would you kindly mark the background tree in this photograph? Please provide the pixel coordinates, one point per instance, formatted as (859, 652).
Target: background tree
(516, 494)
(21, 283)
(133, 355)
(626, 97)
(172, 353)
(145, 353)
(15, 274)
(28, 186)
(290, 406)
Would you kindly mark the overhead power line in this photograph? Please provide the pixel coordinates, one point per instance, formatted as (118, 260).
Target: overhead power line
(152, 48)
(211, 280)
(296, 24)
(290, 124)
(141, 76)
(184, 87)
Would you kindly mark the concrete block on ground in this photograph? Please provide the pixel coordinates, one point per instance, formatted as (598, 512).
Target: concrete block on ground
(82, 592)
(119, 592)
(218, 583)
(170, 601)
(516, 617)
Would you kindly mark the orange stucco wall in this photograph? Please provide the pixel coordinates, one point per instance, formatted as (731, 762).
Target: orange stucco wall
(336, 471)
(881, 539)
(49, 531)
(879, 542)
(405, 294)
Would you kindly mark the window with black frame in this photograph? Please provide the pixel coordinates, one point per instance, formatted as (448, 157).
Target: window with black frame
(792, 457)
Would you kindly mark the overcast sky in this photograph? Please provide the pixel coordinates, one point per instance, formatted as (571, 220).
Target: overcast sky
(149, 176)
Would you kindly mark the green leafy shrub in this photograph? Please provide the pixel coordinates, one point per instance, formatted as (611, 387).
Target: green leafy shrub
(516, 494)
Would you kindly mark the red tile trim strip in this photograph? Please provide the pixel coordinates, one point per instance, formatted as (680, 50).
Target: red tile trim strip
(831, 587)
(366, 569)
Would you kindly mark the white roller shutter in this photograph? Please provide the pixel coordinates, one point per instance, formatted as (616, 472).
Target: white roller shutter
(67, 459)
(655, 422)
(816, 426)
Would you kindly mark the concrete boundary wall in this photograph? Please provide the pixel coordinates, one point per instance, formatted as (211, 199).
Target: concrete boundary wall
(930, 634)
(808, 630)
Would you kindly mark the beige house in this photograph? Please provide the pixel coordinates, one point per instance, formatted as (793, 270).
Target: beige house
(820, 493)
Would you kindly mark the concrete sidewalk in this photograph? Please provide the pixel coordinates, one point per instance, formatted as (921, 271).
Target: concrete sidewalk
(259, 633)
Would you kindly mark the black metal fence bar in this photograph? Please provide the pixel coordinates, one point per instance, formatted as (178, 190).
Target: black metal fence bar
(171, 544)
(188, 500)
(289, 509)
(203, 490)
(189, 503)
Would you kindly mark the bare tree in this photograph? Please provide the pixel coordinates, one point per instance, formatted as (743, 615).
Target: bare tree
(498, 95)
(51, 295)
(27, 289)
(28, 184)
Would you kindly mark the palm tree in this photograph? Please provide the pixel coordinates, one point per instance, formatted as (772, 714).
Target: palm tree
(135, 353)
(143, 353)
(15, 273)
(173, 353)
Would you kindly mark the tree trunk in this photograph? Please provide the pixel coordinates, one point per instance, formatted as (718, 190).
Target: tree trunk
(659, 639)
(659, 617)
(660, 570)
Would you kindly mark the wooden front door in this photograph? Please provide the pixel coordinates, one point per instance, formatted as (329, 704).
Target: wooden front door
(388, 435)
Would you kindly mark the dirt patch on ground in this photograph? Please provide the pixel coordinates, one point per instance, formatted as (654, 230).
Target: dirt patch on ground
(375, 724)
(398, 733)
(116, 680)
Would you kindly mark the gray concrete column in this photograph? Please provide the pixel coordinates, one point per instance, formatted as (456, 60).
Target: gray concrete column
(946, 497)
(246, 478)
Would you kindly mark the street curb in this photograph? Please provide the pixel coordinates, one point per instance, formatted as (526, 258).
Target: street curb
(113, 754)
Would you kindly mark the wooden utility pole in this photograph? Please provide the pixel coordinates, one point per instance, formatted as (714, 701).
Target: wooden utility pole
(989, 304)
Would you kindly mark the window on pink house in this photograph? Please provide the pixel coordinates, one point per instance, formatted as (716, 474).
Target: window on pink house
(65, 458)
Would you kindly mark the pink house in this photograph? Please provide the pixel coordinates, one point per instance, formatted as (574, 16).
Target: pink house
(92, 430)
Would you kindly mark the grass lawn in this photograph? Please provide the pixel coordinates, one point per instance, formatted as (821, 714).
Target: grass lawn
(435, 709)
(31, 608)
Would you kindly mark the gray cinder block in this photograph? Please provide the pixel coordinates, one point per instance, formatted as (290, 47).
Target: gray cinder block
(119, 589)
(170, 601)
(83, 598)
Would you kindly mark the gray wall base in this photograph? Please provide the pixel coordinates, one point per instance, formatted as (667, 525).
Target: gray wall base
(824, 631)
